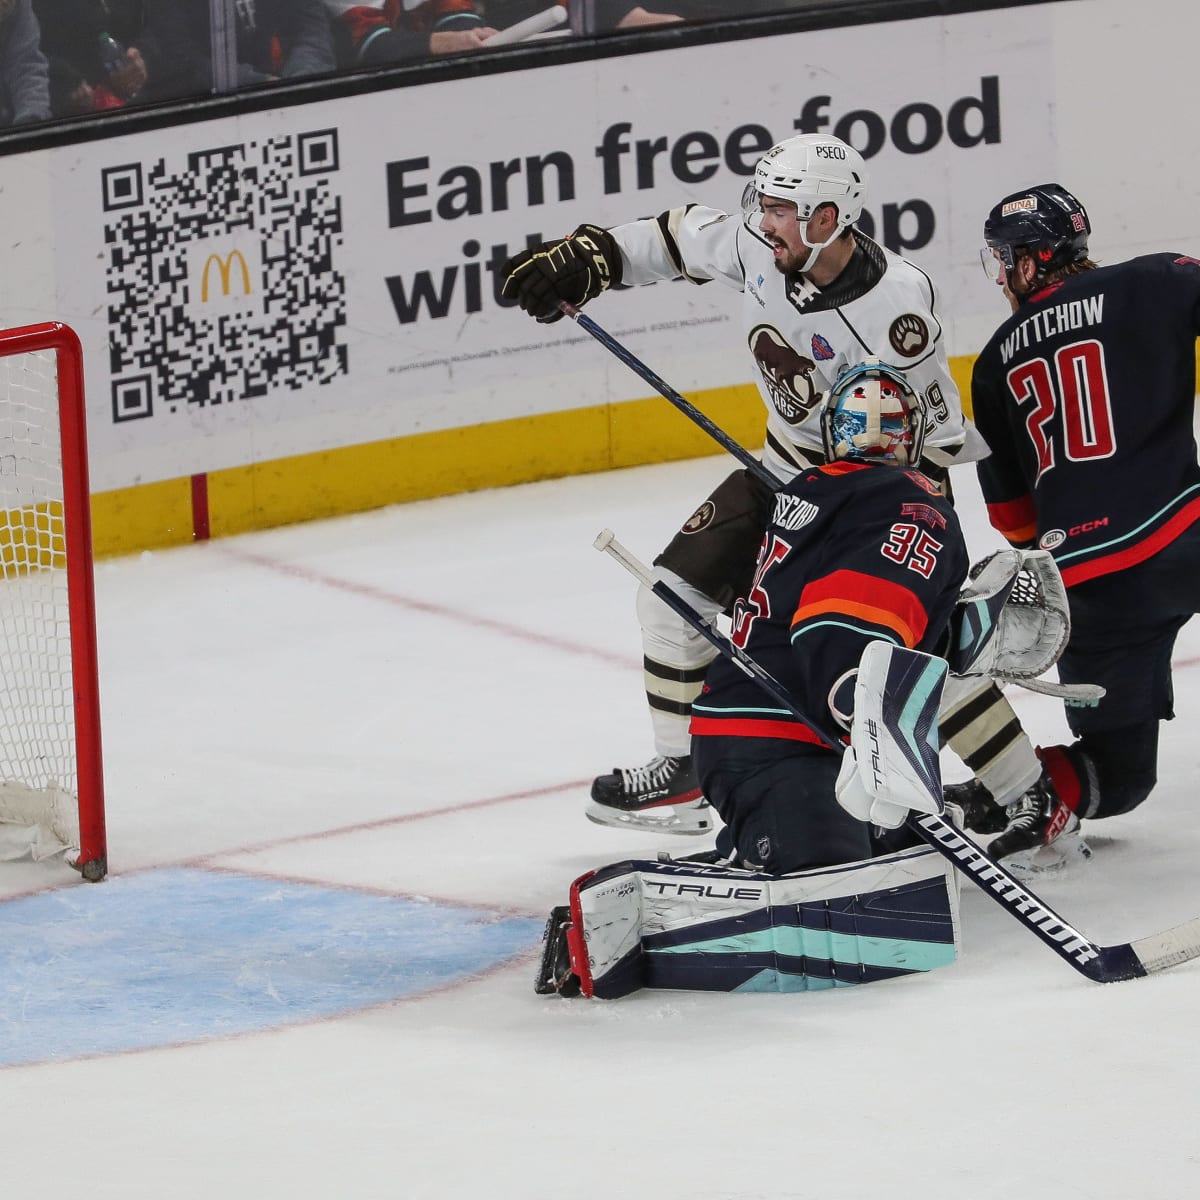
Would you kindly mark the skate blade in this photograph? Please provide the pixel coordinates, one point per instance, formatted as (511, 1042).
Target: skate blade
(690, 822)
(1063, 854)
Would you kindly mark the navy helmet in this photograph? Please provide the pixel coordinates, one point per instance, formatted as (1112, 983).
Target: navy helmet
(1046, 221)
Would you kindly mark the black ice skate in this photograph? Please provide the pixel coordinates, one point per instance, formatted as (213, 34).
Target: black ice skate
(663, 796)
(1036, 821)
(981, 813)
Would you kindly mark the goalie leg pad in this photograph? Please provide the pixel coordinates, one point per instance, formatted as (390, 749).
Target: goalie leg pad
(681, 925)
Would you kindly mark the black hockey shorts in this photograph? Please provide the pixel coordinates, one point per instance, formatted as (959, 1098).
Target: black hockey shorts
(717, 548)
(1123, 631)
(776, 798)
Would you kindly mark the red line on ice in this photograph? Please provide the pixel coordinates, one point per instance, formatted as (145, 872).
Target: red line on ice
(473, 619)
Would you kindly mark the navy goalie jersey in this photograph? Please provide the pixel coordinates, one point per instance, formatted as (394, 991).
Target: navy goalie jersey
(854, 553)
(1085, 396)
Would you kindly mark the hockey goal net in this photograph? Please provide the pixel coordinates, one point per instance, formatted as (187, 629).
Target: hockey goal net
(51, 788)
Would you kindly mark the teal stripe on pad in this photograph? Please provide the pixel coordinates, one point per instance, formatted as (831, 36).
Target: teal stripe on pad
(902, 954)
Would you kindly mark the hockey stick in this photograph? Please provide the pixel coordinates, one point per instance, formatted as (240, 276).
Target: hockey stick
(664, 389)
(1101, 964)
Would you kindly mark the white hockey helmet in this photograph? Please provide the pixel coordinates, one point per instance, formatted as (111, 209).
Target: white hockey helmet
(811, 169)
(873, 414)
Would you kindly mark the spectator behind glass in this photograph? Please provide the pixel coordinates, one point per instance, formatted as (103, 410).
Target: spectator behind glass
(276, 39)
(24, 76)
(621, 14)
(100, 53)
(386, 31)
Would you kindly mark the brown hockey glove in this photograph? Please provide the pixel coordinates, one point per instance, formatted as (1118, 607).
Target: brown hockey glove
(576, 269)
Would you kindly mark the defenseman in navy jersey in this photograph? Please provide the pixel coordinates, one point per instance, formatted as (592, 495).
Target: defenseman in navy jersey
(860, 549)
(1086, 396)
(818, 296)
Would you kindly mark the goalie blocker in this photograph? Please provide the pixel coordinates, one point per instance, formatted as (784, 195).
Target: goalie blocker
(682, 925)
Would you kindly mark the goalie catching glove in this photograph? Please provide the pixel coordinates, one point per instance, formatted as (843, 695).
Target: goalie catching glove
(576, 269)
(1012, 620)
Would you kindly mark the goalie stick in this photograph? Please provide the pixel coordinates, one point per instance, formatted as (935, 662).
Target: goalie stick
(1101, 964)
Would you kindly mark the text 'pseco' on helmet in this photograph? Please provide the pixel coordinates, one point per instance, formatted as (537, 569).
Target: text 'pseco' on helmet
(810, 169)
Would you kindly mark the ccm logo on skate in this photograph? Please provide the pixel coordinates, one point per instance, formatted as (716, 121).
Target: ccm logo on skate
(706, 890)
(1057, 823)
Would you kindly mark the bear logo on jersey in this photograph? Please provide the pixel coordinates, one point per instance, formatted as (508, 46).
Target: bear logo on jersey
(702, 518)
(786, 375)
(909, 335)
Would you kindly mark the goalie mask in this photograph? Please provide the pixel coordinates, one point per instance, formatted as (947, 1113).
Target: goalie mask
(810, 169)
(1046, 222)
(873, 414)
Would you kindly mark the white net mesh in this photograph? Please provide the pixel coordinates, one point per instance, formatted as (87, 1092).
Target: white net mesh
(38, 781)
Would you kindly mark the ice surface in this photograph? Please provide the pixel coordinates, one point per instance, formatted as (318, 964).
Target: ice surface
(410, 704)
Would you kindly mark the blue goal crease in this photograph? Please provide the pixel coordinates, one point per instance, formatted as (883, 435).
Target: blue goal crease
(174, 956)
(823, 945)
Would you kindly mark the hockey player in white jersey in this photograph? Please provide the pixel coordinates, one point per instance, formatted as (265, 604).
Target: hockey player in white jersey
(818, 296)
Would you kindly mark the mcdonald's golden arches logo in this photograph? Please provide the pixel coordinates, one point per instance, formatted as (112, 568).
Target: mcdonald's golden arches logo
(225, 271)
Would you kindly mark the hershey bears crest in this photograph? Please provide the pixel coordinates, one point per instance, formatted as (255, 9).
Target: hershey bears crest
(909, 335)
(702, 518)
(786, 374)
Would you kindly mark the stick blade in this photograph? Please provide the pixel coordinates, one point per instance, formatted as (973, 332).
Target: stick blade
(1162, 951)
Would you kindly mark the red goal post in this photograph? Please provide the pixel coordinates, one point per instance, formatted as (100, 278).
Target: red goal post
(51, 779)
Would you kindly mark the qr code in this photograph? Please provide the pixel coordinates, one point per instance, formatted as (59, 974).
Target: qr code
(221, 276)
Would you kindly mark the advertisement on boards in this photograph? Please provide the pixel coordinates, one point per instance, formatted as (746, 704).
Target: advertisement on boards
(324, 275)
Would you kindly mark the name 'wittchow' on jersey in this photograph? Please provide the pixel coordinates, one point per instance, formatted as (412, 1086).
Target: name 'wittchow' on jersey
(417, 195)
(1052, 320)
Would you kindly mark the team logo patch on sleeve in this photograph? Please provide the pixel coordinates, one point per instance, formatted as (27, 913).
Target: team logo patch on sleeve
(702, 518)
(909, 335)
(923, 512)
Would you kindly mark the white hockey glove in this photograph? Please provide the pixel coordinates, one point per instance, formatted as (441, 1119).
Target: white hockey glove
(1012, 619)
(891, 766)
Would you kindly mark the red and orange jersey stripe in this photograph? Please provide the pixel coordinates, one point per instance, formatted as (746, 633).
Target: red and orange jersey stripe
(868, 599)
(1015, 519)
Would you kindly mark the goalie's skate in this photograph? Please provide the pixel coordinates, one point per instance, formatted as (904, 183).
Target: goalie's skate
(663, 796)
